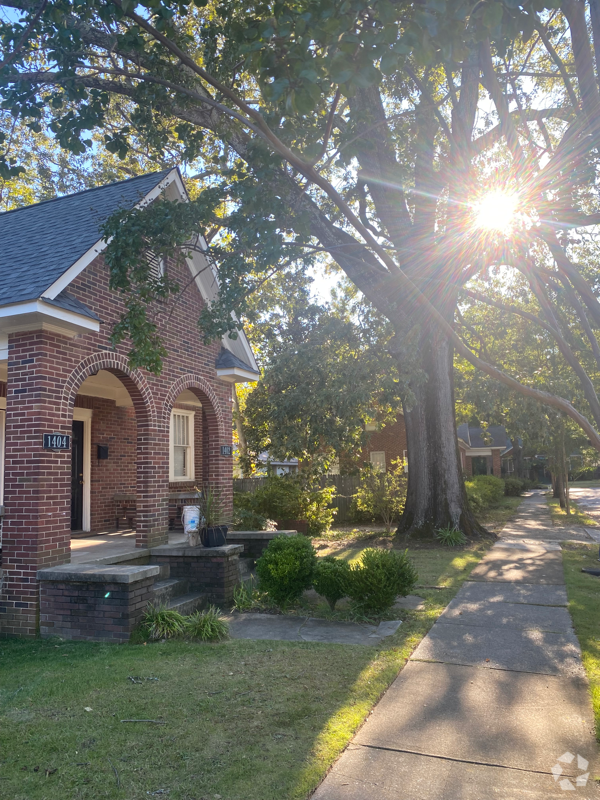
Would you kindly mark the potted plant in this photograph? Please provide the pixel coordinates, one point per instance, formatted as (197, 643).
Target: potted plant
(214, 532)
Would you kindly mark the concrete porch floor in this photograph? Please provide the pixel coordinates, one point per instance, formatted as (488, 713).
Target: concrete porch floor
(109, 545)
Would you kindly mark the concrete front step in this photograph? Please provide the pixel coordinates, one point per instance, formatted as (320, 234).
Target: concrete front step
(165, 590)
(188, 603)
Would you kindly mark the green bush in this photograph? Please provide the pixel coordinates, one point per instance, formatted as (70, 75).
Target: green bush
(331, 579)
(513, 487)
(206, 625)
(381, 495)
(290, 497)
(246, 520)
(380, 576)
(286, 568)
(484, 491)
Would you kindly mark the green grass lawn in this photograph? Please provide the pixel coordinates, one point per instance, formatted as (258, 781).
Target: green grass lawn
(576, 517)
(242, 720)
(584, 601)
(496, 517)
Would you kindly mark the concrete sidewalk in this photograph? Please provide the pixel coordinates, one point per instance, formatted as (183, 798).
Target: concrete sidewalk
(494, 703)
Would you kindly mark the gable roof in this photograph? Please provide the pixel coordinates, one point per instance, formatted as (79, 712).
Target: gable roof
(227, 359)
(39, 243)
(474, 437)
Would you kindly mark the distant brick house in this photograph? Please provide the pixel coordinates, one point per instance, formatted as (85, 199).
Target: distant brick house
(385, 445)
(137, 439)
(483, 451)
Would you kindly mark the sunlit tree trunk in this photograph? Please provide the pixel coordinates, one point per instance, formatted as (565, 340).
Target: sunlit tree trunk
(436, 495)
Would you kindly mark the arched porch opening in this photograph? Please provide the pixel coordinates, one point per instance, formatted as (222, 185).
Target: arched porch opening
(118, 455)
(193, 416)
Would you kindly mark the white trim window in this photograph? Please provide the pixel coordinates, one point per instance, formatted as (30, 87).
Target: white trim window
(181, 461)
(377, 459)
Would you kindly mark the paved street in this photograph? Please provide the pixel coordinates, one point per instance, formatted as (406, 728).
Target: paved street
(494, 699)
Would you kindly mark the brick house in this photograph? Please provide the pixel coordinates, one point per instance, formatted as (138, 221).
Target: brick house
(482, 452)
(137, 441)
(386, 444)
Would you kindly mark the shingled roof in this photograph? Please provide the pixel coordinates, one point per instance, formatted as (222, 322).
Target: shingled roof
(474, 437)
(39, 243)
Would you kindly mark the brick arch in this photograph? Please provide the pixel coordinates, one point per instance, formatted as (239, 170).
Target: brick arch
(133, 380)
(204, 389)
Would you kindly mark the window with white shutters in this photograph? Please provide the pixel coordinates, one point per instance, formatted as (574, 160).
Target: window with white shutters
(182, 446)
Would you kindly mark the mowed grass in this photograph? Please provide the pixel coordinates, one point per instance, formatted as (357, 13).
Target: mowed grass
(576, 517)
(584, 603)
(244, 720)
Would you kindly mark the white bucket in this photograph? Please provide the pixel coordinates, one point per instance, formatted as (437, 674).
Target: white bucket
(191, 518)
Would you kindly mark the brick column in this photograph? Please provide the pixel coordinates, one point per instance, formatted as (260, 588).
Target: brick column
(37, 490)
(496, 463)
(152, 512)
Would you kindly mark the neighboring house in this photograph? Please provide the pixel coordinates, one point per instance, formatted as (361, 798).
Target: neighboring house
(386, 444)
(85, 439)
(483, 450)
(266, 465)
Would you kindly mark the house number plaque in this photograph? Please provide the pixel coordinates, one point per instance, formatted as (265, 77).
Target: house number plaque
(57, 441)
(226, 450)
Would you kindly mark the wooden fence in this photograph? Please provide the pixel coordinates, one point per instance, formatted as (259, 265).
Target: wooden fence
(346, 486)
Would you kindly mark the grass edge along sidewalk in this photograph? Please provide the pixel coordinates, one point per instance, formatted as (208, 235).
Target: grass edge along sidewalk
(245, 720)
(583, 593)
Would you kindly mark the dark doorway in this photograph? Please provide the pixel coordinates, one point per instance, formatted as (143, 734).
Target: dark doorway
(77, 476)
(479, 465)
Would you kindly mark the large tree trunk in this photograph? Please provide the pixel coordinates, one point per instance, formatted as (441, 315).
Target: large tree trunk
(436, 496)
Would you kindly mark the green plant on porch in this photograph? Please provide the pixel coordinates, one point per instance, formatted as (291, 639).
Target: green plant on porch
(211, 505)
(382, 495)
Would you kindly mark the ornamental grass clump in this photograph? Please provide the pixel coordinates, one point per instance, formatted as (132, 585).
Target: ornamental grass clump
(451, 537)
(207, 625)
(162, 623)
(379, 577)
(331, 579)
(286, 568)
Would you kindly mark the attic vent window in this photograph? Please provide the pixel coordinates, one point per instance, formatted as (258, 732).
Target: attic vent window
(156, 266)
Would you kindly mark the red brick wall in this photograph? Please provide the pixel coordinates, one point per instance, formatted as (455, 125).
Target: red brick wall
(391, 439)
(496, 463)
(45, 370)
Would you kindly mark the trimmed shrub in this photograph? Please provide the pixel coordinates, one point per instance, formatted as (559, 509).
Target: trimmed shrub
(484, 491)
(331, 579)
(380, 576)
(286, 568)
(246, 520)
(513, 487)
(208, 625)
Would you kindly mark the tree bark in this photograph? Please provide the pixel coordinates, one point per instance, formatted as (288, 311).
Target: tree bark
(436, 495)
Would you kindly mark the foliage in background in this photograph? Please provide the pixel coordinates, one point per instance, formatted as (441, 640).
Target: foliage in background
(513, 487)
(381, 495)
(290, 497)
(484, 491)
(331, 579)
(286, 568)
(244, 519)
(379, 577)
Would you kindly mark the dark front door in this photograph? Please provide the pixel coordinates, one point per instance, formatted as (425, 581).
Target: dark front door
(480, 465)
(77, 477)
